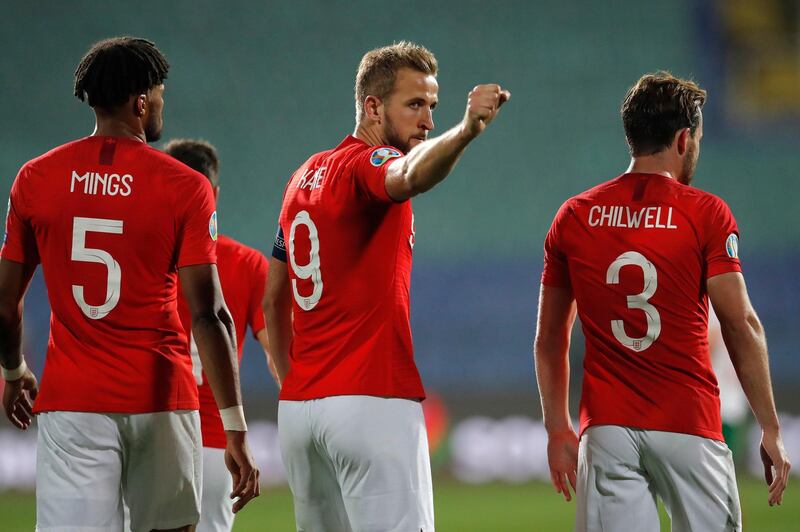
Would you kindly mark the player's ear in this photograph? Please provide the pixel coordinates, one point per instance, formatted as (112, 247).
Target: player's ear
(372, 106)
(140, 105)
(681, 140)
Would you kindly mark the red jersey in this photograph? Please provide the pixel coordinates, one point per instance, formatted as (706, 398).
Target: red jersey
(349, 253)
(636, 252)
(111, 219)
(242, 274)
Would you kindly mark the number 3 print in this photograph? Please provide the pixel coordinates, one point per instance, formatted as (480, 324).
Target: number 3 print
(638, 301)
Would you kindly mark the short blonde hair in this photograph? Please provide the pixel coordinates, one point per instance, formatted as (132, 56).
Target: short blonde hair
(378, 69)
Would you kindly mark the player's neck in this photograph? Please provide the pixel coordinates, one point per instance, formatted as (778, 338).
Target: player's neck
(370, 135)
(107, 126)
(650, 164)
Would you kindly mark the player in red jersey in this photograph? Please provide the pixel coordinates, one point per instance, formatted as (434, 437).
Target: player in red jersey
(114, 223)
(639, 257)
(242, 275)
(351, 427)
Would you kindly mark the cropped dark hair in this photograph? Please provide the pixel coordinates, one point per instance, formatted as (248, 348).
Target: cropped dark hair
(656, 107)
(378, 69)
(199, 155)
(115, 69)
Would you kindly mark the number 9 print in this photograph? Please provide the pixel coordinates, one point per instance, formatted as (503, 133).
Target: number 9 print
(306, 271)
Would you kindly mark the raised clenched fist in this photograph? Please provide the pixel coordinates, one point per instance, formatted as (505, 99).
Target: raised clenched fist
(483, 103)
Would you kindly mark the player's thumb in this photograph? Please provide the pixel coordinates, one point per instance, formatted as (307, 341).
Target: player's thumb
(504, 97)
(33, 389)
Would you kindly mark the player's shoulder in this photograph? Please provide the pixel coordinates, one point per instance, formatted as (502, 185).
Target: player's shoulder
(243, 252)
(185, 182)
(352, 148)
(54, 155)
(588, 196)
(699, 200)
(172, 168)
(703, 197)
(318, 157)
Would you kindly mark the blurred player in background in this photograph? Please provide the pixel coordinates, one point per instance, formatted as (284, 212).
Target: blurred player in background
(351, 427)
(242, 275)
(641, 255)
(114, 223)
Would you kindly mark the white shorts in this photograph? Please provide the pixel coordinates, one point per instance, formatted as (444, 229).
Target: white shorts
(621, 470)
(87, 463)
(357, 464)
(217, 509)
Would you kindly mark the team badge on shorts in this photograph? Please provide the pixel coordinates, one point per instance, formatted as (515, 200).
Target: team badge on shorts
(212, 226)
(381, 155)
(732, 246)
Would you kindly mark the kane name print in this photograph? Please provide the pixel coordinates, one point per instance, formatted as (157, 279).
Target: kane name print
(312, 179)
(96, 183)
(624, 216)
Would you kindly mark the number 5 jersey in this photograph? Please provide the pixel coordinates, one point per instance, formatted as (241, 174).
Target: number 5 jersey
(111, 220)
(636, 253)
(348, 248)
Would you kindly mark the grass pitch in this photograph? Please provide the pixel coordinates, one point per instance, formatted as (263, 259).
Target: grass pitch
(461, 508)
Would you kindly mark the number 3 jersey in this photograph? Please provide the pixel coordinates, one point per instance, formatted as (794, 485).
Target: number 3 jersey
(111, 219)
(348, 248)
(636, 253)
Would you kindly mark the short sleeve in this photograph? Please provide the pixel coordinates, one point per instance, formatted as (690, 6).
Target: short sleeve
(19, 242)
(721, 239)
(198, 225)
(255, 313)
(368, 169)
(556, 270)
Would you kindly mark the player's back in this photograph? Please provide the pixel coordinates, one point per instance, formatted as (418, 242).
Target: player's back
(349, 250)
(112, 220)
(242, 274)
(638, 251)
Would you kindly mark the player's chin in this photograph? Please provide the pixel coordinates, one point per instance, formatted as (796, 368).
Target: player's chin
(152, 132)
(152, 136)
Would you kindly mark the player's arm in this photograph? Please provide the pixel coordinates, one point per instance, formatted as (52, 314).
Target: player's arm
(213, 331)
(431, 161)
(551, 353)
(215, 336)
(21, 386)
(263, 339)
(278, 316)
(747, 345)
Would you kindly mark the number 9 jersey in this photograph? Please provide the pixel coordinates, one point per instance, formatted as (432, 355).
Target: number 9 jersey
(636, 253)
(111, 219)
(348, 248)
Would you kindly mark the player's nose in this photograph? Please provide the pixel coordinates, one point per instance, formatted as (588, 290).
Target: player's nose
(427, 120)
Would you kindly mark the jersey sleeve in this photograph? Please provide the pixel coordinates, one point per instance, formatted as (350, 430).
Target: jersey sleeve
(368, 168)
(279, 246)
(721, 239)
(255, 314)
(198, 224)
(19, 242)
(556, 270)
